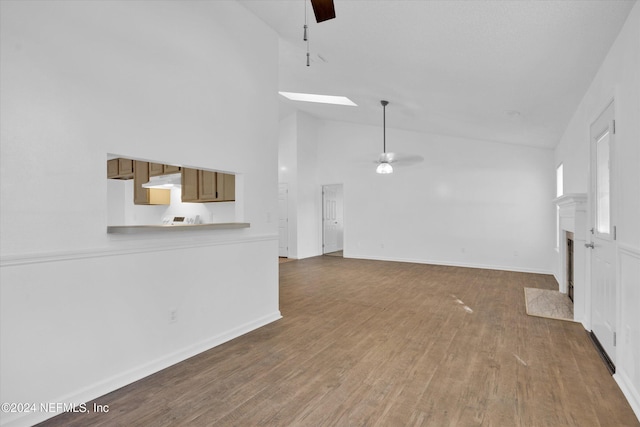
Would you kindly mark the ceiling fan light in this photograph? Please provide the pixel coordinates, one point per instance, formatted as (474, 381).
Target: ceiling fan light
(384, 168)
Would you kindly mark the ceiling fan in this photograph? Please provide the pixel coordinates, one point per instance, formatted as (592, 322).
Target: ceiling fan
(323, 9)
(385, 160)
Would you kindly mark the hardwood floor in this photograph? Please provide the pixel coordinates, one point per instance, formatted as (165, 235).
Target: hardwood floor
(370, 343)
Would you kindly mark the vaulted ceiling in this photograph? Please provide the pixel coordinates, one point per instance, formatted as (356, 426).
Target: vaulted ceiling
(507, 71)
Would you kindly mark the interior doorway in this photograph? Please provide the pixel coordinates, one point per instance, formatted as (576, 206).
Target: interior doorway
(332, 219)
(603, 235)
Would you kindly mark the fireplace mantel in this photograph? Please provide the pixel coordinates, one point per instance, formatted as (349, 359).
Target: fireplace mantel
(569, 199)
(573, 213)
(570, 203)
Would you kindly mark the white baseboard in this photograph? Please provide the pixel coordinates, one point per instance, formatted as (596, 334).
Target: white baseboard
(629, 391)
(125, 378)
(454, 264)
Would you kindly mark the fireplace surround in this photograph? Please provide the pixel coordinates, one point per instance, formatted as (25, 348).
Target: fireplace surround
(573, 226)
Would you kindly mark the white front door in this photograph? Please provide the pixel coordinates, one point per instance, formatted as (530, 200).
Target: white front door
(283, 220)
(332, 223)
(603, 245)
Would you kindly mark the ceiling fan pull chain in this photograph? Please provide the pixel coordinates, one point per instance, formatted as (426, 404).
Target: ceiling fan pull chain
(304, 37)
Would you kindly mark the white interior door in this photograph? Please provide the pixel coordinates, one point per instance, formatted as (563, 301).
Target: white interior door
(332, 218)
(283, 220)
(603, 250)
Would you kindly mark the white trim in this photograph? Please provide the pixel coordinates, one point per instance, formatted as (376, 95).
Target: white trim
(570, 204)
(125, 378)
(632, 395)
(456, 264)
(157, 246)
(629, 250)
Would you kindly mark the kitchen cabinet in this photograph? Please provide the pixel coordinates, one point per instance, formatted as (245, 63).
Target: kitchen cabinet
(189, 185)
(120, 168)
(198, 185)
(201, 186)
(147, 196)
(171, 169)
(157, 169)
(207, 186)
(227, 186)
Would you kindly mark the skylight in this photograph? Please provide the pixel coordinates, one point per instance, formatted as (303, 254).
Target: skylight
(323, 99)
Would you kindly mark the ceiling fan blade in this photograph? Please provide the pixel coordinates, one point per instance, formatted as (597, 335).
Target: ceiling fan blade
(323, 9)
(408, 159)
(400, 159)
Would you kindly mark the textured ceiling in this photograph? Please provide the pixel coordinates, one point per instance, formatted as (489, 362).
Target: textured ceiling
(448, 67)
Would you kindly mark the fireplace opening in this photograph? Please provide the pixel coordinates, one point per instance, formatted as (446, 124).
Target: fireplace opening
(569, 266)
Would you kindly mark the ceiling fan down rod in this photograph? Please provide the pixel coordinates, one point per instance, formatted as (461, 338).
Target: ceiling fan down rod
(384, 125)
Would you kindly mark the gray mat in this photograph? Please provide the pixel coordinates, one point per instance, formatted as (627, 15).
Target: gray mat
(548, 303)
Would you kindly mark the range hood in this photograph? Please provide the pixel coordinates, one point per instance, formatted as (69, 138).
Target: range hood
(165, 182)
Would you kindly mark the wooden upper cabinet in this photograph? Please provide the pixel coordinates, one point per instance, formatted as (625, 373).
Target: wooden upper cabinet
(189, 185)
(202, 186)
(207, 186)
(120, 169)
(112, 168)
(156, 169)
(140, 176)
(147, 196)
(125, 167)
(226, 187)
(216, 187)
(171, 169)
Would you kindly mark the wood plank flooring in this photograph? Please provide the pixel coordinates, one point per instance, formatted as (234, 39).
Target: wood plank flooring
(371, 343)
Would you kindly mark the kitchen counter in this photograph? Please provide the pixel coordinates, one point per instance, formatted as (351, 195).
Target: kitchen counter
(135, 229)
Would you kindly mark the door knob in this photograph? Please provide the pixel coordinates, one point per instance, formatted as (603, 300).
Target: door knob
(589, 245)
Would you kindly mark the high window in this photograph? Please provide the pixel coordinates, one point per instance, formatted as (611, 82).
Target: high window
(559, 181)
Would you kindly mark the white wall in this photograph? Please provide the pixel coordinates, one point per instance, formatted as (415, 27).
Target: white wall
(83, 312)
(298, 166)
(470, 203)
(287, 173)
(309, 196)
(618, 79)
